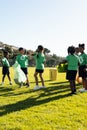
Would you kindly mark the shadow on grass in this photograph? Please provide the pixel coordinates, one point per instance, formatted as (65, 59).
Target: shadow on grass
(49, 94)
(45, 92)
(60, 87)
(44, 81)
(5, 89)
(27, 103)
(59, 82)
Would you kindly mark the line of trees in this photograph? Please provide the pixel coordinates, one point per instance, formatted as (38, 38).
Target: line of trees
(51, 59)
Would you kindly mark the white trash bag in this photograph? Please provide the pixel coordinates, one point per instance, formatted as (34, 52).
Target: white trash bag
(19, 76)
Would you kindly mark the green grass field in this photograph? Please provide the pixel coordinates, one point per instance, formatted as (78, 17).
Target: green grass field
(52, 108)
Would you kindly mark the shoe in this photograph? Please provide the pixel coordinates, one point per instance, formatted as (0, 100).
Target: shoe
(42, 87)
(73, 93)
(36, 87)
(27, 85)
(83, 90)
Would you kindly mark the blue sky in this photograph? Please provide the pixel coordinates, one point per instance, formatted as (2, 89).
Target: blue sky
(56, 24)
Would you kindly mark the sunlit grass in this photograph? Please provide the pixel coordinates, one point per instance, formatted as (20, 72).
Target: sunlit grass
(53, 108)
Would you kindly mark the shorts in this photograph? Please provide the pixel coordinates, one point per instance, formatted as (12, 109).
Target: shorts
(5, 70)
(82, 71)
(25, 70)
(71, 74)
(39, 71)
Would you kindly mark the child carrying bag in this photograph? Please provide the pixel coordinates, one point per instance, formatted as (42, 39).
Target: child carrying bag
(19, 76)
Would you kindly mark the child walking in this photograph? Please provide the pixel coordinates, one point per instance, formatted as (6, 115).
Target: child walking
(40, 59)
(73, 62)
(83, 67)
(5, 68)
(22, 59)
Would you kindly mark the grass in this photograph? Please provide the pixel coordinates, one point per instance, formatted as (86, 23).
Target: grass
(53, 108)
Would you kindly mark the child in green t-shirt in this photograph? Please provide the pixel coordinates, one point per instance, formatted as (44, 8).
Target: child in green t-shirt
(40, 59)
(83, 67)
(5, 68)
(22, 59)
(73, 62)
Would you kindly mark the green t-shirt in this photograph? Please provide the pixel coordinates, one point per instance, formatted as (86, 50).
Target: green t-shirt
(22, 60)
(83, 59)
(73, 61)
(40, 59)
(5, 62)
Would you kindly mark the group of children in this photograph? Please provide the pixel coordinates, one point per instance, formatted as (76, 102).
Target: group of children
(22, 59)
(77, 65)
(76, 59)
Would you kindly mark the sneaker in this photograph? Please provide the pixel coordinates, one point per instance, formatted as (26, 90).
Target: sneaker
(27, 85)
(36, 88)
(42, 87)
(83, 90)
(73, 92)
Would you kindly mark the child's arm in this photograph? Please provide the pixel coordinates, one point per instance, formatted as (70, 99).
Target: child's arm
(31, 54)
(64, 61)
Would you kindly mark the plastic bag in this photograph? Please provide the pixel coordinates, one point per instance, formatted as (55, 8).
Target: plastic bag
(19, 76)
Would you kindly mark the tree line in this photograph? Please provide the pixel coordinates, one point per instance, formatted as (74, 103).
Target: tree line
(52, 60)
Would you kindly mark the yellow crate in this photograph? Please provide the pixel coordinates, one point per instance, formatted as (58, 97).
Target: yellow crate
(53, 73)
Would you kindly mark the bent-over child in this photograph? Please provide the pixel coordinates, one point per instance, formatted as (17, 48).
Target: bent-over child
(22, 60)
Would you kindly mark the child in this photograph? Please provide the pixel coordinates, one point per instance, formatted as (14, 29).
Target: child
(72, 61)
(22, 59)
(40, 59)
(83, 66)
(5, 68)
(19, 76)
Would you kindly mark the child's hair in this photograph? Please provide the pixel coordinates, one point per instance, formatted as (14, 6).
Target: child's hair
(71, 50)
(21, 48)
(39, 49)
(82, 45)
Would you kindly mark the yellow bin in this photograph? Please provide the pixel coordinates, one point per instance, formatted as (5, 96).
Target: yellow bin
(53, 73)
